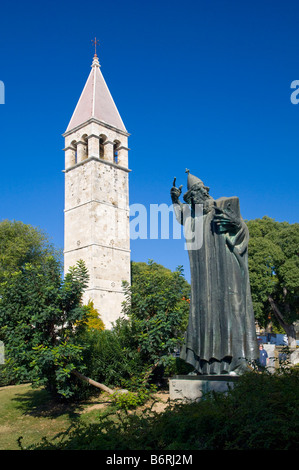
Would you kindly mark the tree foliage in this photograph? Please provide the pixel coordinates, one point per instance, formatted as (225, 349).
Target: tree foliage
(157, 307)
(274, 271)
(108, 358)
(155, 316)
(38, 314)
(22, 243)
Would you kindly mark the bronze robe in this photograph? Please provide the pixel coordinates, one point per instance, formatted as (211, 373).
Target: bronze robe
(221, 335)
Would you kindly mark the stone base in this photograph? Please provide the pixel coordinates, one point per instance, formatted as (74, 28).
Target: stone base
(294, 357)
(186, 388)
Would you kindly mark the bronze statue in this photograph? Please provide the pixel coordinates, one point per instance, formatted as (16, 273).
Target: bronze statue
(221, 335)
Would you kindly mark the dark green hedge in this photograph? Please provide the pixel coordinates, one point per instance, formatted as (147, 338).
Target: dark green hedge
(260, 413)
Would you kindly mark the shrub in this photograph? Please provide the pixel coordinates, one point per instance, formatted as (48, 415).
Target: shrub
(108, 359)
(260, 413)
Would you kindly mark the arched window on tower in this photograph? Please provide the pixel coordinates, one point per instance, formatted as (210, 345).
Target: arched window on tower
(74, 145)
(103, 138)
(116, 145)
(85, 146)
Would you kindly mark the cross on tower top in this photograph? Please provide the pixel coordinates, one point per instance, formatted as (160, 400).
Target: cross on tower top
(95, 42)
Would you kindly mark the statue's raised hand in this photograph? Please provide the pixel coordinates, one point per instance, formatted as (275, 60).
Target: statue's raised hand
(175, 192)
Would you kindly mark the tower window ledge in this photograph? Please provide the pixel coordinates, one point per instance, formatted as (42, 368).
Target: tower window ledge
(97, 159)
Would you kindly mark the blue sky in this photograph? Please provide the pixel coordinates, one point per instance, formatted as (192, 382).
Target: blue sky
(203, 85)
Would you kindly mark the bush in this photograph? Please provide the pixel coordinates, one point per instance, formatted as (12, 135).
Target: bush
(38, 314)
(126, 400)
(178, 366)
(108, 359)
(4, 377)
(260, 413)
(157, 305)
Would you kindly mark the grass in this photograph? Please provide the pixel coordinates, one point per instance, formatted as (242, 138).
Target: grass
(260, 413)
(32, 414)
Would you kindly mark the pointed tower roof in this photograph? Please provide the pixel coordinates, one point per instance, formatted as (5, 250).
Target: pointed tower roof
(96, 102)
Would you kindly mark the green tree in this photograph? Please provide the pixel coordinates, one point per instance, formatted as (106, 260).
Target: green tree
(157, 307)
(274, 272)
(22, 243)
(38, 314)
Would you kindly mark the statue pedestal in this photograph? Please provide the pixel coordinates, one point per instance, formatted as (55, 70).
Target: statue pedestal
(186, 388)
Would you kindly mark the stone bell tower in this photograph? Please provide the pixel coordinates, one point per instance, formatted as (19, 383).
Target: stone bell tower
(97, 196)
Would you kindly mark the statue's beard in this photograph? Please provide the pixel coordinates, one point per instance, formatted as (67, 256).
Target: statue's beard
(206, 201)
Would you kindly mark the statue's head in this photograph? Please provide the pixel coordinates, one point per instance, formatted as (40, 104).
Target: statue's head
(197, 192)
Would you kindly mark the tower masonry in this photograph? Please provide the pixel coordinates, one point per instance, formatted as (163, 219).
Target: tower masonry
(97, 196)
